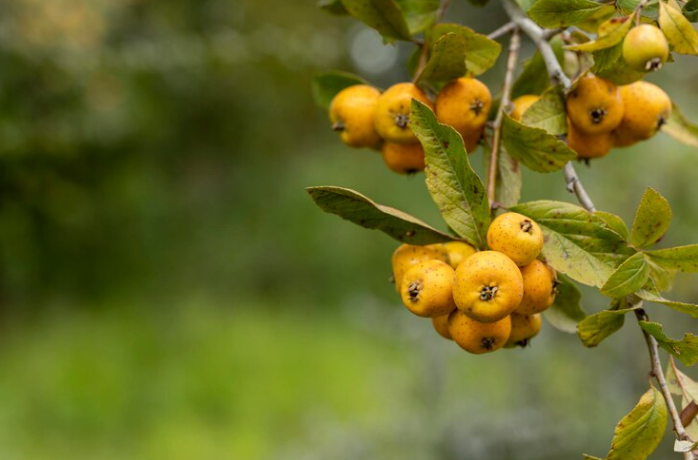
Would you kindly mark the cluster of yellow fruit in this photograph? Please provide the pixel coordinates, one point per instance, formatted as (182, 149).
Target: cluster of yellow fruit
(481, 300)
(601, 115)
(365, 117)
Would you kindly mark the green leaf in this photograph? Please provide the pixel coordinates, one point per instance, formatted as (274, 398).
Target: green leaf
(534, 147)
(638, 434)
(678, 30)
(681, 129)
(383, 15)
(447, 59)
(628, 6)
(613, 67)
(652, 219)
(652, 295)
(630, 277)
(509, 181)
(690, 10)
(481, 52)
(686, 349)
(566, 312)
(333, 7)
(663, 278)
(610, 34)
(577, 243)
(590, 457)
(355, 207)
(326, 85)
(419, 14)
(595, 328)
(562, 13)
(608, 58)
(534, 78)
(454, 186)
(548, 112)
(614, 222)
(682, 258)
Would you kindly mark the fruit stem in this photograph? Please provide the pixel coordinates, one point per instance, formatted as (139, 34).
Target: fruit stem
(514, 46)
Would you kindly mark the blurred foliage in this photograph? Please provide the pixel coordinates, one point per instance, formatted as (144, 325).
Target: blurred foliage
(187, 300)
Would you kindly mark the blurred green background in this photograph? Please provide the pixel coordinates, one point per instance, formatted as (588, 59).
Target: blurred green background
(168, 290)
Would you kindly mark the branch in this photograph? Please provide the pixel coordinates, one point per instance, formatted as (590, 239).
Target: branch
(540, 37)
(423, 59)
(505, 29)
(514, 46)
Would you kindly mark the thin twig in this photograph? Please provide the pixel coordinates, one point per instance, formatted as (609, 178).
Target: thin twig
(505, 29)
(514, 46)
(658, 374)
(423, 59)
(442, 10)
(549, 34)
(574, 185)
(537, 34)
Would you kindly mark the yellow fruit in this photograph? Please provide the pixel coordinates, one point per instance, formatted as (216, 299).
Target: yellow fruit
(595, 105)
(647, 107)
(523, 329)
(645, 48)
(352, 116)
(407, 256)
(588, 145)
(521, 104)
(427, 289)
(472, 140)
(440, 324)
(403, 158)
(516, 236)
(476, 337)
(458, 251)
(392, 116)
(488, 286)
(465, 105)
(539, 288)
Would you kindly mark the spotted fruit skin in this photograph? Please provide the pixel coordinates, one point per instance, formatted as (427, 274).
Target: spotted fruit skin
(352, 115)
(464, 104)
(589, 146)
(645, 48)
(517, 236)
(523, 329)
(403, 158)
(476, 337)
(595, 105)
(406, 256)
(440, 324)
(458, 251)
(392, 115)
(427, 289)
(488, 286)
(539, 288)
(647, 107)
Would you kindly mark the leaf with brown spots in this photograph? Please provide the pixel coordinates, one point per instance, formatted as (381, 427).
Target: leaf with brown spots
(686, 349)
(456, 189)
(576, 242)
(357, 208)
(535, 147)
(682, 258)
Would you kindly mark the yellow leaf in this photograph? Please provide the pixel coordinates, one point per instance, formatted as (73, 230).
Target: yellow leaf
(610, 34)
(678, 30)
